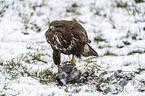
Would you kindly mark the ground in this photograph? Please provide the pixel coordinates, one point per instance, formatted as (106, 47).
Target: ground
(116, 29)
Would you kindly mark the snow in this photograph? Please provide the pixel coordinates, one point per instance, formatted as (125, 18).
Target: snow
(13, 42)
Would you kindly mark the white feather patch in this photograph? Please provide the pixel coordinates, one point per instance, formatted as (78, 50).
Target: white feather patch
(57, 39)
(86, 48)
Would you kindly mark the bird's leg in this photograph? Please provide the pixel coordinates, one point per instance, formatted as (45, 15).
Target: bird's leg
(58, 69)
(72, 60)
(56, 59)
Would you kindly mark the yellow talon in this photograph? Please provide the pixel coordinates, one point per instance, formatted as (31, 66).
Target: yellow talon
(72, 60)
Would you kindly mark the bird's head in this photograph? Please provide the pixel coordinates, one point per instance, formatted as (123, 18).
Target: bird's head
(56, 26)
(52, 28)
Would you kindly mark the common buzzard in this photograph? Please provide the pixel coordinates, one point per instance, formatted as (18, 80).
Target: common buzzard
(68, 37)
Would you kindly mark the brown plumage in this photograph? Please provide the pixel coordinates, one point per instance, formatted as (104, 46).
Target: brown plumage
(68, 37)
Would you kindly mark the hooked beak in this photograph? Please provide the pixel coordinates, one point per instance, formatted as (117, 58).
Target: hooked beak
(51, 28)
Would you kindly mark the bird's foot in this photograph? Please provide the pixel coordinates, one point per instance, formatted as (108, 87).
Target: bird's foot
(72, 62)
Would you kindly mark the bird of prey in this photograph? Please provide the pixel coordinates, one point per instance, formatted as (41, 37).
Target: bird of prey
(68, 37)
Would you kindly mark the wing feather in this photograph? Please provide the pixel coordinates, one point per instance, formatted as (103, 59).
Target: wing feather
(79, 33)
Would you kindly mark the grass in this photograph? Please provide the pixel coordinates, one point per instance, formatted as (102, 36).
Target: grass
(46, 76)
(142, 86)
(118, 46)
(139, 1)
(3, 8)
(27, 17)
(34, 58)
(126, 43)
(73, 9)
(108, 53)
(136, 51)
(90, 64)
(104, 46)
(16, 69)
(133, 36)
(127, 64)
(99, 39)
(121, 4)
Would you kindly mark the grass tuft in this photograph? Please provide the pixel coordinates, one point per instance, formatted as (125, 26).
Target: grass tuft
(136, 51)
(3, 7)
(121, 4)
(126, 42)
(99, 39)
(108, 53)
(139, 1)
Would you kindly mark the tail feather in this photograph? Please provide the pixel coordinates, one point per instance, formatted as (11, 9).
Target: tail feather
(89, 51)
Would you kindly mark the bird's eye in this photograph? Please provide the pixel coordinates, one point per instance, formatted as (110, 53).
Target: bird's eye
(57, 26)
(51, 27)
